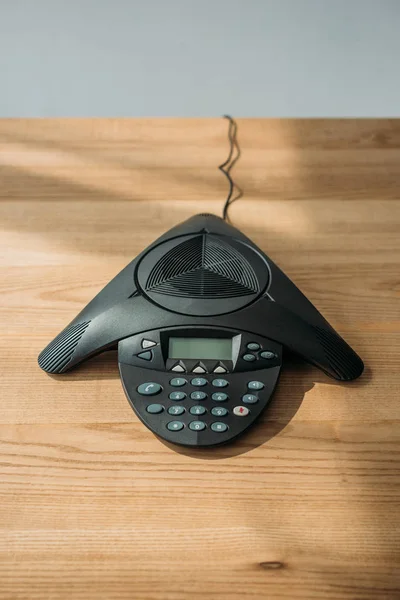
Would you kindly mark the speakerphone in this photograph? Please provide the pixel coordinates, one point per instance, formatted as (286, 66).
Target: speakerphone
(202, 320)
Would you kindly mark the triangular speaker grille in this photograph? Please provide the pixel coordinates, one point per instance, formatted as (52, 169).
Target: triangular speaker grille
(203, 267)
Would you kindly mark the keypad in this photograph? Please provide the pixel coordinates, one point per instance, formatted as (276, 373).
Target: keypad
(197, 410)
(197, 425)
(178, 381)
(220, 397)
(219, 411)
(176, 410)
(219, 427)
(206, 402)
(154, 409)
(198, 395)
(198, 381)
(221, 383)
(249, 399)
(177, 396)
(149, 389)
(175, 425)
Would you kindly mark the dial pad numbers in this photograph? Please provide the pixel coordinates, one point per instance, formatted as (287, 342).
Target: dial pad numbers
(197, 425)
(219, 397)
(201, 404)
(198, 395)
(197, 410)
(177, 396)
(175, 410)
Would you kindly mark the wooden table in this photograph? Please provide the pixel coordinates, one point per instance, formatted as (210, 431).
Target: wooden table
(306, 505)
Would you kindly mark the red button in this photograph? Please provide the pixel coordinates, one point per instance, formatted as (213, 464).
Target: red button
(241, 411)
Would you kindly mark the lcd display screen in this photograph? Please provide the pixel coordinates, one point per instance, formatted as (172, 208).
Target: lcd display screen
(200, 348)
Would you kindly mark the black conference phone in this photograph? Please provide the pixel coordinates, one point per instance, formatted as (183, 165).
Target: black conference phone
(200, 319)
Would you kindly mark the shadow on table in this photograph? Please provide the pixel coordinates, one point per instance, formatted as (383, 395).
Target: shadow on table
(297, 378)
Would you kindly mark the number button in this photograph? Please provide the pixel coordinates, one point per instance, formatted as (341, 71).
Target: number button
(219, 411)
(178, 381)
(199, 381)
(197, 425)
(219, 427)
(175, 425)
(177, 396)
(220, 383)
(198, 395)
(154, 409)
(219, 397)
(176, 410)
(253, 346)
(249, 399)
(255, 385)
(197, 410)
(149, 389)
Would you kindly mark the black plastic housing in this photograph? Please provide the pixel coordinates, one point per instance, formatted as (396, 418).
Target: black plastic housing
(203, 272)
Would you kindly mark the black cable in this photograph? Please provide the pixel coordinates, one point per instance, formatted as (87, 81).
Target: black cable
(226, 167)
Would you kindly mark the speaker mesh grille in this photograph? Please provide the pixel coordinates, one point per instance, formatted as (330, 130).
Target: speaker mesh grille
(346, 364)
(58, 353)
(203, 267)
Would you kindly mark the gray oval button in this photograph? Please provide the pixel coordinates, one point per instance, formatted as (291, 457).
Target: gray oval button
(249, 399)
(197, 425)
(177, 396)
(253, 346)
(175, 425)
(154, 409)
(219, 382)
(268, 355)
(198, 395)
(219, 427)
(149, 389)
(255, 385)
(249, 357)
(176, 410)
(178, 381)
(199, 381)
(219, 411)
(219, 397)
(197, 410)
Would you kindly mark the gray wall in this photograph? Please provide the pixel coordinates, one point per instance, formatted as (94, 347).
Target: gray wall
(199, 57)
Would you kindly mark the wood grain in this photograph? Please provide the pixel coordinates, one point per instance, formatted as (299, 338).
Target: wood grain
(304, 506)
